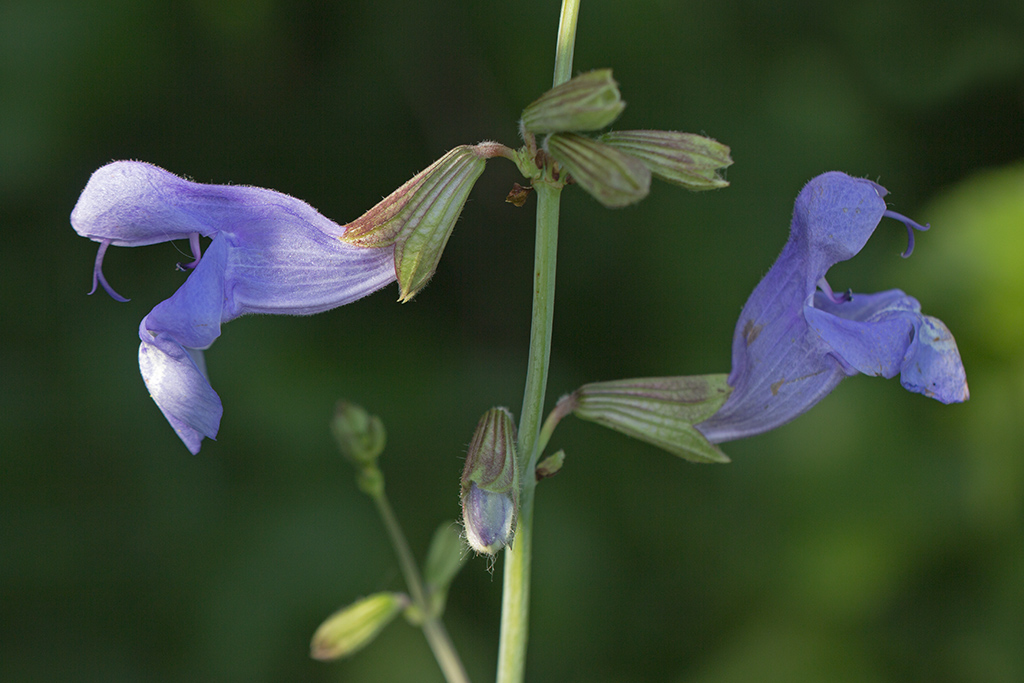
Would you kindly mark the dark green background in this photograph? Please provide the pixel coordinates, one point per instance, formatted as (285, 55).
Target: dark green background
(878, 538)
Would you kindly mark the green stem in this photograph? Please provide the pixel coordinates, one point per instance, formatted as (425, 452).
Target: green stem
(433, 627)
(566, 41)
(564, 407)
(515, 602)
(515, 599)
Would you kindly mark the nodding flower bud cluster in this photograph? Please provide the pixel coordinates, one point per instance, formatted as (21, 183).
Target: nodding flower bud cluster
(490, 483)
(360, 436)
(616, 168)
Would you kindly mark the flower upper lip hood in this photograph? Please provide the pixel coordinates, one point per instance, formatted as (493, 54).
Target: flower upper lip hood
(271, 253)
(793, 344)
(130, 204)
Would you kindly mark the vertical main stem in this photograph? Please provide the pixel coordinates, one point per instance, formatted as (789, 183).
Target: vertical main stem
(566, 45)
(515, 599)
(515, 604)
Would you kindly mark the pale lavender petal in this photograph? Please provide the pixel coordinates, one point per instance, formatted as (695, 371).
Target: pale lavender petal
(192, 316)
(933, 366)
(170, 355)
(287, 265)
(180, 388)
(488, 518)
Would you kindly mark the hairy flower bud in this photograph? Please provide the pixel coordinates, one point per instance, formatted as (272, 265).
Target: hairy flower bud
(419, 216)
(490, 483)
(685, 159)
(352, 628)
(658, 410)
(612, 177)
(590, 101)
(361, 437)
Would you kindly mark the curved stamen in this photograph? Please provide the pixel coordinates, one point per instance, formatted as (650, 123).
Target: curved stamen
(197, 253)
(97, 274)
(911, 227)
(827, 289)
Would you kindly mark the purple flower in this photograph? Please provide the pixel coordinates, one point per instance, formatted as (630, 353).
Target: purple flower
(270, 253)
(795, 342)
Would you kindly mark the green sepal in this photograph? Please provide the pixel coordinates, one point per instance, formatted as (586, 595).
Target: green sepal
(491, 456)
(354, 627)
(658, 410)
(684, 159)
(419, 216)
(590, 101)
(612, 177)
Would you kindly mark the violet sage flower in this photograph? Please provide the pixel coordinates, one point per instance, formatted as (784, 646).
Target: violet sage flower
(270, 253)
(796, 339)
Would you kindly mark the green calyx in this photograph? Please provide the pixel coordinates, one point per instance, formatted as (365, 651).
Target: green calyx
(491, 457)
(658, 410)
(612, 177)
(684, 159)
(418, 217)
(588, 102)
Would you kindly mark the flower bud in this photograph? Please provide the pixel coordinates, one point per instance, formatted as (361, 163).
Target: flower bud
(658, 410)
(588, 102)
(490, 483)
(360, 436)
(419, 216)
(614, 178)
(681, 158)
(354, 627)
(550, 466)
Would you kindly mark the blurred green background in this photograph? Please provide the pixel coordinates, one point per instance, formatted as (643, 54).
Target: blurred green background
(878, 538)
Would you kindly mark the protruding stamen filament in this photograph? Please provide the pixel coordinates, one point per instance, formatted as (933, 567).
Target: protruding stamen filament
(197, 253)
(911, 227)
(841, 299)
(97, 274)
